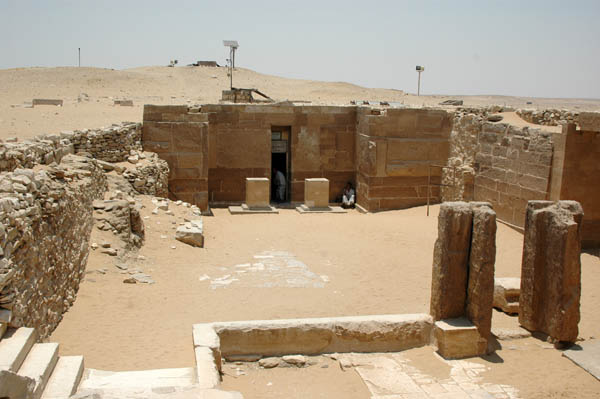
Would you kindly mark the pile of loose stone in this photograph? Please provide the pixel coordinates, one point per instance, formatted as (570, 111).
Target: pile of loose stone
(548, 117)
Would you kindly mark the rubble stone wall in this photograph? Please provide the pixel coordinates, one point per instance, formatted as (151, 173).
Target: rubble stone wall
(112, 144)
(548, 117)
(394, 150)
(45, 225)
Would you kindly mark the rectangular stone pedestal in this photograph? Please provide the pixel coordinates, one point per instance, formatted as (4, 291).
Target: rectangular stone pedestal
(316, 193)
(257, 192)
(458, 338)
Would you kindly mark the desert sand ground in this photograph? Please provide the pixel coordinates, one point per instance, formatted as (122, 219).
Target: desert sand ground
(355, 264)
(185, 85)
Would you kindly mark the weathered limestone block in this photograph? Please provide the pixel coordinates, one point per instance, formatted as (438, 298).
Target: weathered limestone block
(458, 338)
(191, 233)
(316, 193)
(257, 192)
(450, 261)
(506, 294)
(380, 333)
(551, 269)
(480, 288)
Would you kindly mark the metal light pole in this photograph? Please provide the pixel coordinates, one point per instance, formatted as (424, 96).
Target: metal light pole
(79, 50)
(419, 70)
(233, 45)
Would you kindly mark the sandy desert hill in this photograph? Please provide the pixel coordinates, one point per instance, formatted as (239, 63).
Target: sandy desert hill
(98, 88)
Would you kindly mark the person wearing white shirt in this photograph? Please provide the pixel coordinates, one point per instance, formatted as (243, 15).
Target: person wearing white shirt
(279, 185)
(348, 197)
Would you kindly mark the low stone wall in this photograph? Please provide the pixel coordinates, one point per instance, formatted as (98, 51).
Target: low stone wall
(112, 144)
(45, 225)
(548, 117)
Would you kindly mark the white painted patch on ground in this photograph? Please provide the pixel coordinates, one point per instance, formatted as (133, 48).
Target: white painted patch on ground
(269, 269)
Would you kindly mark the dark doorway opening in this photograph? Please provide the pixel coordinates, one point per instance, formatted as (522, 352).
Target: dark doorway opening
(280, 164)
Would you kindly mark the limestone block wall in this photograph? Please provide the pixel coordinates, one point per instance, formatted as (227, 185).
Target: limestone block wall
(394, 150)
(512, 166)
(45, 225)
(239, 145)
(576, 174)
(180, 137)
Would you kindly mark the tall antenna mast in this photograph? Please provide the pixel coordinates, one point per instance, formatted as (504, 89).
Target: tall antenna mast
(233, 45)
(79, 50)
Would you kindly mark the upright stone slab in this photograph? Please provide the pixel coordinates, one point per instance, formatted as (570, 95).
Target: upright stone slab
(316, 193)
(257, 192)
(480, 288)
(450, 261)
(551, 269)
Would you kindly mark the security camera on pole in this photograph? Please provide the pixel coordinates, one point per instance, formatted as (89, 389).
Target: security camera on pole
(419, 70)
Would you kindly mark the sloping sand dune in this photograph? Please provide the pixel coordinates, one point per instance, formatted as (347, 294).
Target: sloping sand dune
(183, 85)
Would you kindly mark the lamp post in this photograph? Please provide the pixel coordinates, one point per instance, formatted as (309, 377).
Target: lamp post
(419, 70)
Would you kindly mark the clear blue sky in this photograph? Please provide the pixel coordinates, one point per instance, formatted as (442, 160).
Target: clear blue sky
(528, 48)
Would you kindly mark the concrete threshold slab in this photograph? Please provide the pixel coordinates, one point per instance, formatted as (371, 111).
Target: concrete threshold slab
(586, 355)
(241, 210)
(330, 209)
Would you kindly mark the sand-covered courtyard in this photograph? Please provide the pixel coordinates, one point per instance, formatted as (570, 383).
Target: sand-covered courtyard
(287, 266)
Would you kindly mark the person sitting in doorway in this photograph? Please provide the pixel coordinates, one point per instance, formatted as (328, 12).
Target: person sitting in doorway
(348, 196)
(279, 180)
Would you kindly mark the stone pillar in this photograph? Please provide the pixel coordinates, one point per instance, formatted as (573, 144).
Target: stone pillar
(450, 261)
(551, 269)
(257, 192)
(480, 288)
(316, 193)
(462, 282)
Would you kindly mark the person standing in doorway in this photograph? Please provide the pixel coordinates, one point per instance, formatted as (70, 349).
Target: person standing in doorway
(279, 179)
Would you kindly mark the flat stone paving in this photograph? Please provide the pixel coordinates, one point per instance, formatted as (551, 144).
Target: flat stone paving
(586, 355)
(391, 376)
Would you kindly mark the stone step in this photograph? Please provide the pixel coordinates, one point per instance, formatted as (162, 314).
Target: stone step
(15, 346)
(159, 378)
(3, 327)
(39, 365)
(65, 378)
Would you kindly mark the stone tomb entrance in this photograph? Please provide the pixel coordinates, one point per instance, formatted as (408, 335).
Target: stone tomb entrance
(281, 160)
